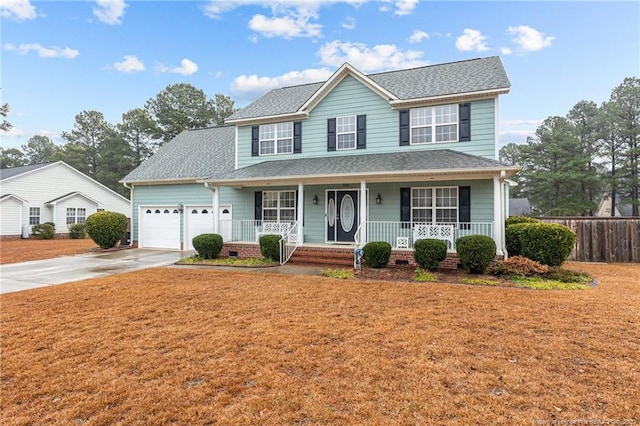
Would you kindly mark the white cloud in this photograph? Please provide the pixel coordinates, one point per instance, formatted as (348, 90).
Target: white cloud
(43, 52)
(18, 10)
(377, 58)
(252, 86)
(529, 39)
(417, 36)
(110, 11)
(130, 64)
(405, 7)
(286, 26)
(517, 130)
(506, 51)
(471, 40)
(187, 67)
(349, 23)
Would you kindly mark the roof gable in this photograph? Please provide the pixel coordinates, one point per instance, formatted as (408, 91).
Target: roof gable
(14, 196)
(17, 171)
(71, 195)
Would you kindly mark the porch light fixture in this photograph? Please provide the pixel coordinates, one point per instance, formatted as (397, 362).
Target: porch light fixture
(180, 207)
(315, 199)
(379, 199)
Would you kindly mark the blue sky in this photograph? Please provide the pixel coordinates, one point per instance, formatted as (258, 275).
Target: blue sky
(61, 58)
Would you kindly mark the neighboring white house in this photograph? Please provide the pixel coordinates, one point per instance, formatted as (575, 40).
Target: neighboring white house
(52, 192)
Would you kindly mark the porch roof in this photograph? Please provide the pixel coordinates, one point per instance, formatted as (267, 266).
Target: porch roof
(389, 167)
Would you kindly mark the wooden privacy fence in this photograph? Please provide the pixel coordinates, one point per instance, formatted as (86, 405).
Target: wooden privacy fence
(603, 239)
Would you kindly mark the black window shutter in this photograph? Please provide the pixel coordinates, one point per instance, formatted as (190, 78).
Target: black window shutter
(405, 204)
(297, 137)
(361, 135)
(331, 134)
(296, 204)
(255, 141)
(464, 122)
(258, 206)
(464, 204)
(404, 127)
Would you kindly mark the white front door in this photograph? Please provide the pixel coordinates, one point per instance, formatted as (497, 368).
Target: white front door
(225, 223)
(198, 220)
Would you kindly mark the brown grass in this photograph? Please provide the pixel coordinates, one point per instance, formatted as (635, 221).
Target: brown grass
(12, 251)
(187, 346)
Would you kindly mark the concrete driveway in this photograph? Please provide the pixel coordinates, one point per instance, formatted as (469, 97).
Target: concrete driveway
(42, 273)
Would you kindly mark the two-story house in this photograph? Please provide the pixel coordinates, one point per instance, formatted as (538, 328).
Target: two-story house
(393, 156)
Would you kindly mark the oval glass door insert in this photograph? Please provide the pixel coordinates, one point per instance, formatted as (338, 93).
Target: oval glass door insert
(347, 211)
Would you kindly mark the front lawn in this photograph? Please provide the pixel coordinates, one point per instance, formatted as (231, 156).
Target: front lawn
(203, 346)
(12, 251)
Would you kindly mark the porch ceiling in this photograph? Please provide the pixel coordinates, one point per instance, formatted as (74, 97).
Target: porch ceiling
(442, 164)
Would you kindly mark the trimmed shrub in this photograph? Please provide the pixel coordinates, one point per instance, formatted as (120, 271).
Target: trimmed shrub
(44, 231)
(519, 266)
(208, 246)
(428, 253)
(106, 228)
(476, 252)
(270, 246)
(77, 231)
(547, 243)
(513, 236)
(377, 254)
(512, 220)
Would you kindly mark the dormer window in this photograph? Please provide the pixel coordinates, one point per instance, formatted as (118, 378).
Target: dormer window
(276, 138)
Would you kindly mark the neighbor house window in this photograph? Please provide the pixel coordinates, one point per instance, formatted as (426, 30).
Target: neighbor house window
(76, 215)
(34, 215)
(276, 138)
(346, 132)
(279, 206)
(434, 124)
(434, 205)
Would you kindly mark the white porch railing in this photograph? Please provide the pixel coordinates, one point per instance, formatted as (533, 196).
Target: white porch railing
(288, 243)
(249, 231)
(402, 235)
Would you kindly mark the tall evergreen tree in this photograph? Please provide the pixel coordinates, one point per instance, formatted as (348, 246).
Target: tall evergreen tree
(137, 129)
(11, 157)
(39, 149)
(89, 132)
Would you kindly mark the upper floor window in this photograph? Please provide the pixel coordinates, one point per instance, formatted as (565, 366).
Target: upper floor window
(276, 138)
(34, 215)
(434, 124)
(76, 215)
(346, 132)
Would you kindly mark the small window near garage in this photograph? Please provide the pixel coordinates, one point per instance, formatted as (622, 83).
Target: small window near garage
(34, 215)
(194, 211)
(76, 215)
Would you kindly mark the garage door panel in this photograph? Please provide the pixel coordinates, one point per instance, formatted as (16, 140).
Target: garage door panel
(199, 221)
(160, 227)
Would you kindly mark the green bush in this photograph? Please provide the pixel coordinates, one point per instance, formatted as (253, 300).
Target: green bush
(77, 231)
(270, 246)
(208, 246)
(428, 253)
(513, 237)
(512, 220)
(106, 228)
(547, 243)
(44, 231)
(476, 252)
(376, 254)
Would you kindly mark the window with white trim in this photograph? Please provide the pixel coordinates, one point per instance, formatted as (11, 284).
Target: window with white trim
(76, 215)
(346, 132)
(434, 205)
(279, 206)
(276, 138)
(34, 215)
(434, 124)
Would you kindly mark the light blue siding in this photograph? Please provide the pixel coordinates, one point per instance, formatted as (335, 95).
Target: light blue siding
(350, 97)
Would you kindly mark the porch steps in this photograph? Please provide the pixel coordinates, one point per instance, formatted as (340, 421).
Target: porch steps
(320, 256)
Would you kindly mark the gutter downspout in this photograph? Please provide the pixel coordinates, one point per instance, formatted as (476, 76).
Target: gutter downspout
(130, 188)
(215, 206)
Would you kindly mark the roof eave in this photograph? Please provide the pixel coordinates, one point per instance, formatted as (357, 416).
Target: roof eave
(163, 181)
(377, 177)
(268, 119)
(480, 94)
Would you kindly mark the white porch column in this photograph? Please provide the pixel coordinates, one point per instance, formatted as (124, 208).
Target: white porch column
(300, 202)
(363, 212)
(216, 209)
(498, 222)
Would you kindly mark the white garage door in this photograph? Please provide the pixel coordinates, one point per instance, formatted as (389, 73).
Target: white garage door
(159, 227)
(199, 220)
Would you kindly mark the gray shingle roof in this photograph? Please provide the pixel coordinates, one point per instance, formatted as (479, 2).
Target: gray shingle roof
(15, 171)
(345, 165)
(451, 78)
(196, 153)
